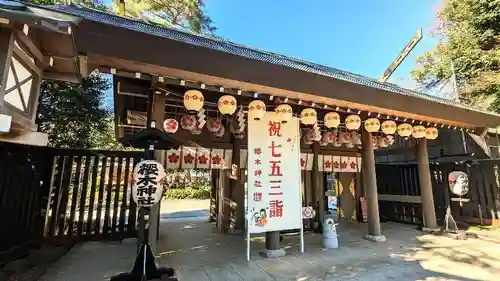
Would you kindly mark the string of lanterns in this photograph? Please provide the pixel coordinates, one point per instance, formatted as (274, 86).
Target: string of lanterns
(227, 105)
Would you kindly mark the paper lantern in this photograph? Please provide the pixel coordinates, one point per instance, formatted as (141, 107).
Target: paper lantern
(404, 130)
(188, 122)
(372, 125)
(197, 130)
(431, 133)
(418, 132)
(382, 142)
(147, 187)
(308, 116)
(459, 183)
(332, 120)
(324, 139)
(227, 104)
(356, 138)
(283, 113)
(389, 127)
(390, 139)
(375, 142)
(353, 122)
(256, 109)
(170, 125)
(193, 100)
(220, 132)
(331, 137)
(214, 125)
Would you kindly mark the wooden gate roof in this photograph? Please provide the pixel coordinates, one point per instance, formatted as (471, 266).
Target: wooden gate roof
(112, 41)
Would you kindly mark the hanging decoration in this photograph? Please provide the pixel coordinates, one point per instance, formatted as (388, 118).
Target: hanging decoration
(353, 122)
(390, 139)
(170, 126)
(201, 118)
(332, 136)
(147, 183)
(348, 140)
(214, 125)
(324, 139)
(317, 132)
(197, 130)
(375, 142)
(240, 118)
(188, 122)
(256, 109)
(309, 136)
(332, 120)
(431, 133)
(418, 132)
(220, 132)
(389, 127)
(356, 139)
(404, 130)
(372, 125)
(344, 137)
(193, 100)
(227, 105)
(284, 112)
(308, 116)
(382, 142)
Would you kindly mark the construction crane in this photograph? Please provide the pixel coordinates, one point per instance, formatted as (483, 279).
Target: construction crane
(407, 49)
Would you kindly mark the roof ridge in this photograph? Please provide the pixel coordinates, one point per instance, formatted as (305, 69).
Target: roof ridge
(250, 52)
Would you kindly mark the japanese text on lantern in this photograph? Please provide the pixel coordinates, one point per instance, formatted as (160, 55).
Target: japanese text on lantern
(147, 182)
(275, 175)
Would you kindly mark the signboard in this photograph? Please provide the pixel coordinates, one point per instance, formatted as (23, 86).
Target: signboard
(147, 187)
(273, 181)
(407, 49)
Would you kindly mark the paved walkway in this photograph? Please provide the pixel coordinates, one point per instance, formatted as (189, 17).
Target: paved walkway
(199, 253)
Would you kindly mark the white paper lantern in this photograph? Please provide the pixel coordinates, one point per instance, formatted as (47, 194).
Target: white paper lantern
(309, 136)
(308, 116)
(431, 133)
(220, 133)
(256, 110)
(459, 183)
(418, 132)
(324, 139)
(214, 125)
(382, 142)
(332, 120)
(193, 100)
(353, 122)
(356, 138)
(389, 127)
(147, 187)
(404, 130)
(227, 104)
(188, 122)
(170, 125)
(372, 125)
(284, 113)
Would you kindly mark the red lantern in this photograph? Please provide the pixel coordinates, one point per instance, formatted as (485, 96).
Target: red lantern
(170, 125)
(214, 125)
(188, 122)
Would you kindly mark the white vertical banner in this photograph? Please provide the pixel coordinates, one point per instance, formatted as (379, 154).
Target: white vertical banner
(336, 164)
(188, 157)
(228, 158)
(320, 162)
(217, 159)
(203, 158)
(327, 163)
(172, 159)
(309, 164)
(274, 185)
(303, 161)
(243, 158)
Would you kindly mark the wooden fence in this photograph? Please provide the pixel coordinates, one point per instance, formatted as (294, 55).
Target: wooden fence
(63, 196)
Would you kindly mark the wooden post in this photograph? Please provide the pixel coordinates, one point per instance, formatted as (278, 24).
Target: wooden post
(370, 187)
(237, 193)
(315, 186)
(426, 195)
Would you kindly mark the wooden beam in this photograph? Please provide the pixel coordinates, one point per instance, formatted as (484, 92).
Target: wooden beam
(27, 43)
(73, 78)
(6, 42)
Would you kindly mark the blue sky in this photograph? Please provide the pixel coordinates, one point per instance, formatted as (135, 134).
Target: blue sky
(360, 36)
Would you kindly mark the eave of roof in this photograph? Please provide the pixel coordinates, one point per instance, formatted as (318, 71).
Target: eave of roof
(222, 45)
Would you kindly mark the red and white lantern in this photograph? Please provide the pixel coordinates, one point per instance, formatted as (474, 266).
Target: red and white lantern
(227, 104)
(256, 109)
(214, 125)
(188, 122)
(170, 126)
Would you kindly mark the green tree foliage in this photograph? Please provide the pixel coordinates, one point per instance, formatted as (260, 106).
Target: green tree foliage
(185, 14)
(73, 113)
(469, 33)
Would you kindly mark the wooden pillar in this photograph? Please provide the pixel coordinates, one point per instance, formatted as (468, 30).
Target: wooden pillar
(158, 115)
(426, 195)
(6, 41)
(315, 185)
(370, 187)
(237, 193)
